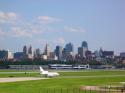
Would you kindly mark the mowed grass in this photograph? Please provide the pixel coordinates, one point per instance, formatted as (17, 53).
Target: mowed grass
(63, 81)
(36, 73)
(93, 73)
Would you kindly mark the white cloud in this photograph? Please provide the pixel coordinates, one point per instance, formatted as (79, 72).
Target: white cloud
(47, 19)
(26, 31)
(22, 28)
(15, 32)
(8, 17)
(72, 29)
(20, 32)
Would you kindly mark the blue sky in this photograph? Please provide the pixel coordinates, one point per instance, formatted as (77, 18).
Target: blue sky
(36, 22)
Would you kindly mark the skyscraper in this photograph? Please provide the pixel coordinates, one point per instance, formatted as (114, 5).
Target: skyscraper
(30, 50)
(25, 50)
(69, 47)
(58, 52)
(80, 52)
(47, 50)
(85, 44)
(83, 49)
(37, 53)
(30, 56)
(68, 52)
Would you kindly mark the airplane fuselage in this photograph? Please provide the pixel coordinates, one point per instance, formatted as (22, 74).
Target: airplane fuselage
(48, 74)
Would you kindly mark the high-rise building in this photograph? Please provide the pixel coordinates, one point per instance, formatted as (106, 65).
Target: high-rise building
(69, 47)
(25, 50)
(47, 50)
(58, 52)
(64, 54)
(83, 49)
(30, 50)
(68, 52)
(80, 52)
(37, 53)
(85, 45)
(30, 55)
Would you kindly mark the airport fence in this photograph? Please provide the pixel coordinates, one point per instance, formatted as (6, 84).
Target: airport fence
(77, 90)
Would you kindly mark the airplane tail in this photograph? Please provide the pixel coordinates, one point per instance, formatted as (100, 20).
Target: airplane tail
(41, 69)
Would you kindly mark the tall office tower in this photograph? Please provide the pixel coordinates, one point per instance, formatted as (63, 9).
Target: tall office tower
(25, 50)
(83, 49)
(68, 52)
(101, 52)
(81, 52)
(30, 50)
(37, 53)
(30, 56)
(69, 48)
(85, 45)
(47, 50)
(64, 54)
(58, 52)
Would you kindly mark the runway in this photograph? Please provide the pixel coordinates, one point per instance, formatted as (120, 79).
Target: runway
(3, 80)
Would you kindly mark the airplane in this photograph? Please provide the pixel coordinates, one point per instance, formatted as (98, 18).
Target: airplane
(48, 74)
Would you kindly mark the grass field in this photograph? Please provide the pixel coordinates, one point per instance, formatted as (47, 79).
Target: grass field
(66, 80)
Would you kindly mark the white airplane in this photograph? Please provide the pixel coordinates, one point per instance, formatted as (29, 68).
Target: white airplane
(48, 74)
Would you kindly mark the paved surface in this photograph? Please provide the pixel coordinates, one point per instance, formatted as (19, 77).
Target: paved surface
(3, 80)
(16, 72)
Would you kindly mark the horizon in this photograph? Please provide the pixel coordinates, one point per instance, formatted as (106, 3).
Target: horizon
(35, 23)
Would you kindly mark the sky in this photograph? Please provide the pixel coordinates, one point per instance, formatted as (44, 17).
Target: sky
(57, 22)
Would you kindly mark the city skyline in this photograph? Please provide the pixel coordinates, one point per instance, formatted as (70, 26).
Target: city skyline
(27, 22)
(59, 53)
(69, 47)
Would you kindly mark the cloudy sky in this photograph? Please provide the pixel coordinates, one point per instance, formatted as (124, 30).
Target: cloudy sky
(36, 22)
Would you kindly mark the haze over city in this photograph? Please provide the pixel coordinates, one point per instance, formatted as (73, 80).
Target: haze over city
(29, 22)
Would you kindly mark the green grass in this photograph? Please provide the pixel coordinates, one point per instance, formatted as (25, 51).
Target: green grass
(41, 86)
(35, 73)
(93, 73)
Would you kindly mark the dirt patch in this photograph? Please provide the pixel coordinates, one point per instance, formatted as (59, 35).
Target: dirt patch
(102, 89)
(3, 80)
(90, 88)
